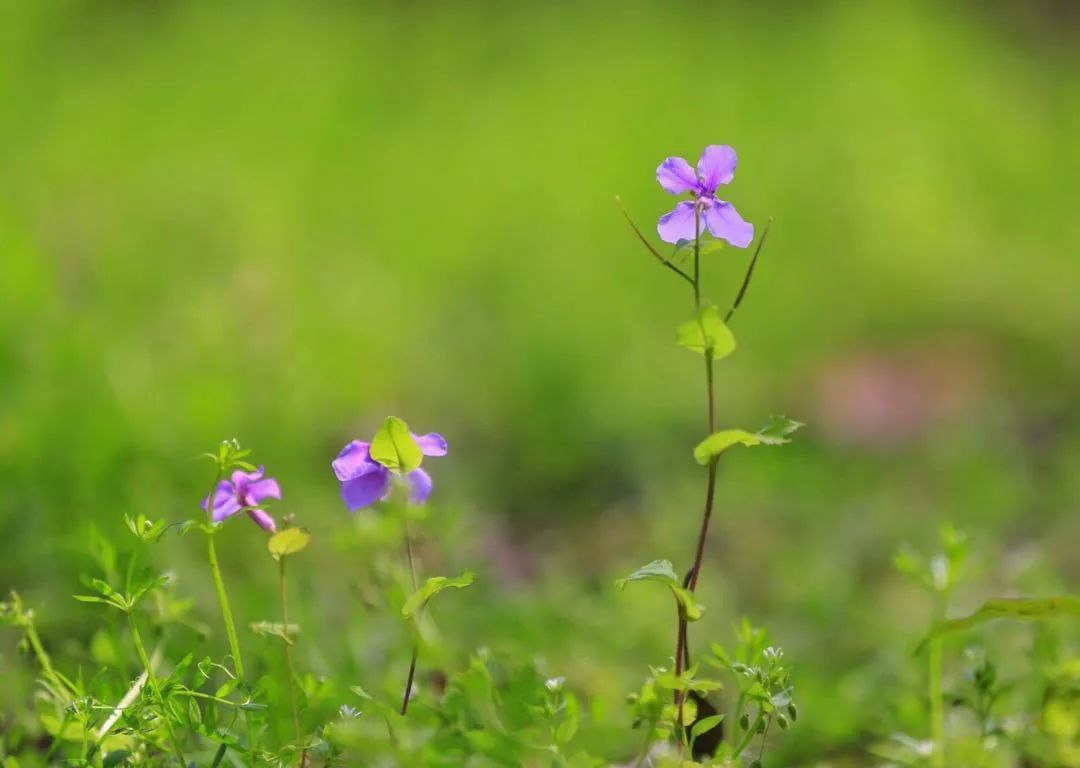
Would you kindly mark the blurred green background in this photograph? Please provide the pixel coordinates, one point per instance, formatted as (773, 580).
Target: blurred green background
(281, 222)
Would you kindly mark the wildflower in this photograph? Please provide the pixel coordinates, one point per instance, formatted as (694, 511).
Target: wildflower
(716, 167)
(245, 490)
(365, 481)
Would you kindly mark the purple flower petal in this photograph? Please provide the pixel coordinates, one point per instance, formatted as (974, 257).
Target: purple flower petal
(717, 166)
(726, 223)
(354, 461)
(431, 444)
(225, 502)
(260, 490)
(366, 489)
(240, 478)
(263, 520)
(419, 486)
(679, 224)
(676, 176)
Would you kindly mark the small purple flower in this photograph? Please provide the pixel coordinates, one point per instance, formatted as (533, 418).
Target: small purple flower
(365, 481)
(716, 167)
(245, 489)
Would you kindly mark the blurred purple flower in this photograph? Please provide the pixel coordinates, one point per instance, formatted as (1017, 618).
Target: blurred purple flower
(245, 490)
(365, 481)
(716, 167)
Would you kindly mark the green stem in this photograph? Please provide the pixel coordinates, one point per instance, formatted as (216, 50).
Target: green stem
(764, 736)
(416, 643)
(937, 708)
(935, 685)
(44, 661)
(288, 657)
(150, 678)
(226, 611)
(749, 735)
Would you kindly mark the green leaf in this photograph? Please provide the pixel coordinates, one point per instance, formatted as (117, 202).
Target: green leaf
(705, 724)
(663, 572)
(712, 446)
(777, 429)
(288, 542)
(775, 432)
(432, 587)
(1015, 608)
(685, 248)
(658, 570)
(707, 332)
(395, 447)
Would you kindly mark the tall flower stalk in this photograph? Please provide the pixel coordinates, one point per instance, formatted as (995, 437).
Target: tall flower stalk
(245, 490)
(372, 472)
(707, 333)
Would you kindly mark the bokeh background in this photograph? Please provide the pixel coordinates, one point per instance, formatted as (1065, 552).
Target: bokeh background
(282, 222)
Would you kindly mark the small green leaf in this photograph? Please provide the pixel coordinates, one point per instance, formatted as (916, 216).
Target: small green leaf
(288, 542)
(658, 570)
(689, 711)
(394, 446)
(775, 432)
(777, 429)
(708, 246)
(226, 688)
(707, 332)
(432, 587)
(663, 572)
(712, 446)
(1015, 608)
(705, 724)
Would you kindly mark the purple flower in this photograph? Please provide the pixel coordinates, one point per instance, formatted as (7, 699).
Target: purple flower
(716, 167)
(365, 481)
(245, 490)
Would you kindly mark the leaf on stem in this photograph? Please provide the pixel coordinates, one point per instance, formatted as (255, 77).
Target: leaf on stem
(432, 587)
(663, 572)
(288, 542)
(685, 248)
(707, 333)
(775, 432)
(394, 446)
(1015, 608)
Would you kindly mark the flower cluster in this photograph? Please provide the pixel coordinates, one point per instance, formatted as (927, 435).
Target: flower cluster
(364, 481)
